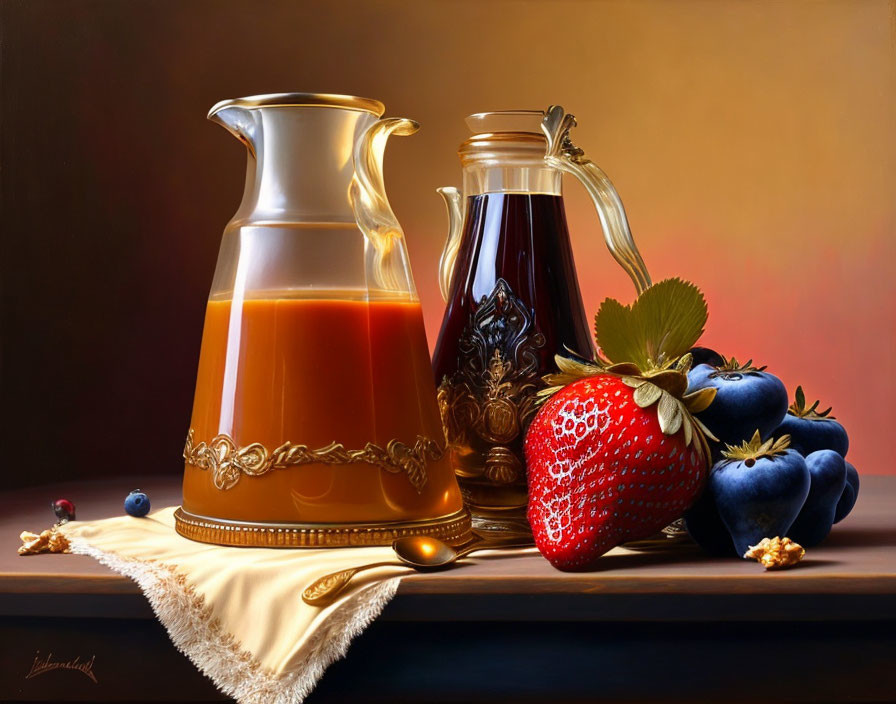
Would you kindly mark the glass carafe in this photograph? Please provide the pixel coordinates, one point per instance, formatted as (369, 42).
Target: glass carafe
(508, 277)
(315, 420)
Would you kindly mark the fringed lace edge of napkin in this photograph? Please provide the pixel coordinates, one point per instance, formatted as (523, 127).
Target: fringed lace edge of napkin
(198, 634)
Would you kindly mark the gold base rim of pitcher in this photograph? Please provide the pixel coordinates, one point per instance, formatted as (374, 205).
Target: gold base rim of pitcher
(454, 529)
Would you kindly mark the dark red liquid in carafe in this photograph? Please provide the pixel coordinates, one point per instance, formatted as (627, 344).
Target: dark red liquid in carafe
(515, 303)
(523, 239)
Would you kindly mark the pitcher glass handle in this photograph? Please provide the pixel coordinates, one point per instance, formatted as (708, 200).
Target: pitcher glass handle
(562, 154)
(386, 257)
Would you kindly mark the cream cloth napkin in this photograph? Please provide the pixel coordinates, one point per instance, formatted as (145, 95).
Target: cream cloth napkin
(238, 613)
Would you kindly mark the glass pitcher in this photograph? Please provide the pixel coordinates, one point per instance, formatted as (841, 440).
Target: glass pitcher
(508, 277)
(315, 420)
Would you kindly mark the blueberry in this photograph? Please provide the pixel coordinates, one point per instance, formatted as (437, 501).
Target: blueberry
(759, 491)
(828, 472)
(810, 436)
(811, 430)
(849, 495)
(136, 504)
(747, 399)
(704, 355)
(705, 526)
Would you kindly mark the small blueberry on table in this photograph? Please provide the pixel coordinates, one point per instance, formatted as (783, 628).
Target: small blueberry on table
(136, 504)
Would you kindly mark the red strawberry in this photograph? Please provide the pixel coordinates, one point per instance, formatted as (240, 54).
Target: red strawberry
(601, 472)
(616, 456)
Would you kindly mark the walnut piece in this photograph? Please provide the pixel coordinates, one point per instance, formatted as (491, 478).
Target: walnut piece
(49, 540)
(776, 553)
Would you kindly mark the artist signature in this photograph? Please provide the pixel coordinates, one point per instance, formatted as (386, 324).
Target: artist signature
(45, 664)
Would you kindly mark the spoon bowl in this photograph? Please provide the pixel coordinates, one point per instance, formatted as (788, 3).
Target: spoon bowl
(424, 552)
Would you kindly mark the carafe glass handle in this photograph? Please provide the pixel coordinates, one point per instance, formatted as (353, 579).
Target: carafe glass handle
(562, 154)
(454, 202)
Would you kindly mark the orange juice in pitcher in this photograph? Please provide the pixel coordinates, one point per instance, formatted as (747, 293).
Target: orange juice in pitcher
(315, 420)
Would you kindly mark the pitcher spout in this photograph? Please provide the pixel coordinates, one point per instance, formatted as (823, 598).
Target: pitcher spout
(237, 120)
(300, 165)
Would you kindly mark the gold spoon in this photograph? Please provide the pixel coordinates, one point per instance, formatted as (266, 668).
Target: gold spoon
(419, 551)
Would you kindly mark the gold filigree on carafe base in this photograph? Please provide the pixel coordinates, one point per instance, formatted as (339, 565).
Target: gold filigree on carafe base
(486, 406)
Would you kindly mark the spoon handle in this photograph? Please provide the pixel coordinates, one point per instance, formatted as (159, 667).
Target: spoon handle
(491, 545)
(323, 591)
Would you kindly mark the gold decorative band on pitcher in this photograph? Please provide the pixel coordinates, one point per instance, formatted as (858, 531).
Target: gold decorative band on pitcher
(228, 462)
(453, 529)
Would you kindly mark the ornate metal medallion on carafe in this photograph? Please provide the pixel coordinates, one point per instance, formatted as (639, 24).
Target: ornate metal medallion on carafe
(315, 421)
(508, 277)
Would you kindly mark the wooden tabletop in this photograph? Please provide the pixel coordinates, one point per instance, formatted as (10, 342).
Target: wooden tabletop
(509, 629)
(852, 575)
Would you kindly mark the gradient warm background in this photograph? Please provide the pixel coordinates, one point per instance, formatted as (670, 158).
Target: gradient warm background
(753, 143)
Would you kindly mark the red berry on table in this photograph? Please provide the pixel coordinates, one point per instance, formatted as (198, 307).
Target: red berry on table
(64, 510)
(615, 455)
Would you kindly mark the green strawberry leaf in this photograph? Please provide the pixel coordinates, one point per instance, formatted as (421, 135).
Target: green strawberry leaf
(661, 325)
(646, 395)
(617, 336)
(798, 408)
(699, 400)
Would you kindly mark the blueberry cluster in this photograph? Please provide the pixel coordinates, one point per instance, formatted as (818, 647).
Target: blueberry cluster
(779, 470)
